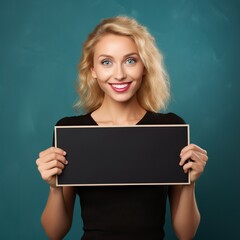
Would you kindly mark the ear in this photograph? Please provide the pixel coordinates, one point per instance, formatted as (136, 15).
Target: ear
(94, 75)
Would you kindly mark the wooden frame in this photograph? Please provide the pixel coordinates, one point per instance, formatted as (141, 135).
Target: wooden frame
(122, 155)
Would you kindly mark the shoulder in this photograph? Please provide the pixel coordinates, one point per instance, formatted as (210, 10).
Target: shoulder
(164, 118)
(75, 120)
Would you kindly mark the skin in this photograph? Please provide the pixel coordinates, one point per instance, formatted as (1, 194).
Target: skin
(111, 66)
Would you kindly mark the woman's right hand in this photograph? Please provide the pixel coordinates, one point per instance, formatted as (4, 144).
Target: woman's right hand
(51, 162)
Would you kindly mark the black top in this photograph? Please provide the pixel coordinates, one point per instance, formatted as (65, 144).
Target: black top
(123, 212)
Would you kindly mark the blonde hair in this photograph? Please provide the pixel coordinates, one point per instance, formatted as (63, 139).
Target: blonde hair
(153, 93)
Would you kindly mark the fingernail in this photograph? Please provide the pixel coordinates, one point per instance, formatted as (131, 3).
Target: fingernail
(66, 162)
(64, 153)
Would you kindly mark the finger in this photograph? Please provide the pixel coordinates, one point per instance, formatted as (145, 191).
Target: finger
(50, 157)
(196, 167)
(187, 156)
(188, 166)
(46, 175)
(52, 150)
(193, 155)
(50, 165)
(50, 169)
(197, 156)
(193, 147)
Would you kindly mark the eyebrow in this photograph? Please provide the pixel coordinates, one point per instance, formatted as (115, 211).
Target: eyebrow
(127, 55)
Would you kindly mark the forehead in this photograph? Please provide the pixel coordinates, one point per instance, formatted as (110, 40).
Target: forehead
(112, 44)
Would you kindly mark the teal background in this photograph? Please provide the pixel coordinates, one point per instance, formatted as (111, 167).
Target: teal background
(40, 46)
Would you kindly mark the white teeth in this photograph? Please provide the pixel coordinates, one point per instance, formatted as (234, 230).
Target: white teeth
(119, 86)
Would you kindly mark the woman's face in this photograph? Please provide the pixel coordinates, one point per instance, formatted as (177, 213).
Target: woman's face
(117, 67)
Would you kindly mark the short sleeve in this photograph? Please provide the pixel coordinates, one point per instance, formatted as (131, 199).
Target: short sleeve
(175, 119)
(61, 122)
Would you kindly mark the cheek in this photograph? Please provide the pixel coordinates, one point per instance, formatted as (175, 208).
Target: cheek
(103, 75)
(136, 73)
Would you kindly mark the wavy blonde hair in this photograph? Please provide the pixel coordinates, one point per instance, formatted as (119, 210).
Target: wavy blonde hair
(153, 93)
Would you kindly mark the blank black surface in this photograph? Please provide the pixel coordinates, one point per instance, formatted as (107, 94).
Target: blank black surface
(122, 155)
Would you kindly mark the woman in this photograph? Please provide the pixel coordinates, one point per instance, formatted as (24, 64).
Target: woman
(122, 81)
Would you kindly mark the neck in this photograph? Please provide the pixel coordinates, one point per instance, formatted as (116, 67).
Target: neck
(118, 113)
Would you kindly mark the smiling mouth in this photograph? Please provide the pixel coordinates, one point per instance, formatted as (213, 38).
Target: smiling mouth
(120, 87)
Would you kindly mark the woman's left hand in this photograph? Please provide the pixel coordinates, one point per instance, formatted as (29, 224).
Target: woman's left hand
(198, 159)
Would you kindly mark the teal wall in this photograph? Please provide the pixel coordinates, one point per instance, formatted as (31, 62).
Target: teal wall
(40, 46)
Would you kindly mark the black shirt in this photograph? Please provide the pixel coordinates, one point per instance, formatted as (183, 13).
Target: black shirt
(123, 212)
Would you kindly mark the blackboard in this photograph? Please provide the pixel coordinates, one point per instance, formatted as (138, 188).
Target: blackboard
(145, 155)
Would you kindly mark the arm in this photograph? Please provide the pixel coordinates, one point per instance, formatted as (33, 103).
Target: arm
(57, 215)
(184, 210)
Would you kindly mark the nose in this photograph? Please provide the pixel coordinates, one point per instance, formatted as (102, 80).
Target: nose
(120, 73)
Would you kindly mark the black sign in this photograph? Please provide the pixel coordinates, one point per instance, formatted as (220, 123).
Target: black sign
(135, 155)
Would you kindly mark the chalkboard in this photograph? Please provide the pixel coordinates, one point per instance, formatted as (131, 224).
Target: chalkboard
(137, 155)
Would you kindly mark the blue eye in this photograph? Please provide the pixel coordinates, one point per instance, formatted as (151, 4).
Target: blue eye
(131, 61)
(106, 62)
